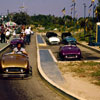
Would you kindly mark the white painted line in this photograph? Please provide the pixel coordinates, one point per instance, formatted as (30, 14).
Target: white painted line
(55, 60)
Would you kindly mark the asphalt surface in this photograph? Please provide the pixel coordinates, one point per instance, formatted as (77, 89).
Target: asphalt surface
(33, 88)
(87, 54)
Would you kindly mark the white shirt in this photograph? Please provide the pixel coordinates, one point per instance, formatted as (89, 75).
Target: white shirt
(19, 51)
(14, 33)
(7, 33)
(27, 31)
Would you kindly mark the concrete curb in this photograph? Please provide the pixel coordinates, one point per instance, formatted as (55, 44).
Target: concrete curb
(89, 47)
(69, 94)
(41, 44)
(4, 48)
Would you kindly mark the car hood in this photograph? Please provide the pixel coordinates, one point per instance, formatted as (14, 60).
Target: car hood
(14, 61)
(54, 39)
(70, 49)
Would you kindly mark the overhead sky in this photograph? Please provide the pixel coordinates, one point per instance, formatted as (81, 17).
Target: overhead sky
(53, 7)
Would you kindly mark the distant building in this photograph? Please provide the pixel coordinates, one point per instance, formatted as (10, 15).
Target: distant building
(41, 28)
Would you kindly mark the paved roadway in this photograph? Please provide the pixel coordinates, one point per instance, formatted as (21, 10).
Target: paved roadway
(29, 89)
(87, 54)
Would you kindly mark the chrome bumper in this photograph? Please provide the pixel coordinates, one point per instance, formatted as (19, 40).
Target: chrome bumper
(15, 75)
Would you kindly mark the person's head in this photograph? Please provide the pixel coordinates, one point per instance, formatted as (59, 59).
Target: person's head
(7, 29)
(19, 45)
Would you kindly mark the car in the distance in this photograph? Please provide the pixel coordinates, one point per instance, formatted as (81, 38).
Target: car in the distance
(52, 38)
(15, 65)
(67, 52)
(13, 43)
(69, 39)
(65, 34)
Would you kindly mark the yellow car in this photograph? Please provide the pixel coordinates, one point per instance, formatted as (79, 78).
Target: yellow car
(15, 65)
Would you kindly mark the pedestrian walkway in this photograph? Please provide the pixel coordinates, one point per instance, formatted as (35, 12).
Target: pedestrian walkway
(4, 45)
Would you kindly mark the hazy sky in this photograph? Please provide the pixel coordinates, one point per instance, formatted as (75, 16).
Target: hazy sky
(53, 7)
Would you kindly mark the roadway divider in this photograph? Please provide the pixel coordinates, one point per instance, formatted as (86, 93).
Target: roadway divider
(40, 40)
(89, 47)
(4, 47)
(49, 71)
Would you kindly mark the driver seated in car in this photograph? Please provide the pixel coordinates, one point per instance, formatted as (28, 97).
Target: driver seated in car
(19, 49)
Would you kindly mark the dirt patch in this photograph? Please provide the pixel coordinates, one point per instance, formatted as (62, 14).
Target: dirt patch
(82, 78)
(89, 70)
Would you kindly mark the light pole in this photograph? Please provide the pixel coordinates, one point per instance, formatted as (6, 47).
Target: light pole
(84, 18)
(93, 7)
(74, 4)
(64, 12)
(71, 12)
(93, 15)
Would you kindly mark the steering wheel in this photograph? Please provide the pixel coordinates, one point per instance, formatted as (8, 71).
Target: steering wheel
(20, 52)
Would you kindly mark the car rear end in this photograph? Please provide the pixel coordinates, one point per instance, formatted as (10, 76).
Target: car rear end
(70, 52)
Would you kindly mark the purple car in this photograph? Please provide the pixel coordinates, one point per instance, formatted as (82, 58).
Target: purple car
(69, 52)
(14, 42)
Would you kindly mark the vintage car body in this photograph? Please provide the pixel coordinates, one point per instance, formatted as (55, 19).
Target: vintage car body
(52, 38)
(15, 65)
(14, 42)
(65, 34)
(69, 39)
(69, 52)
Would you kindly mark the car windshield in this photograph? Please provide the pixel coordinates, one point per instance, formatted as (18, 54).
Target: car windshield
(51, 34)
(66, 35)
(72, 43)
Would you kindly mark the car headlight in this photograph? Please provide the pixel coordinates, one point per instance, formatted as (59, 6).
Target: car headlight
(22, 70)
(6, 70)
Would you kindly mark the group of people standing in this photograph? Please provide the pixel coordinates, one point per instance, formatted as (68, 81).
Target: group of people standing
(5, 34)
(26, 35)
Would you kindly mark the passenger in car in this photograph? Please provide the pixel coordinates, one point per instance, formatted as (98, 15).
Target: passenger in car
(19, 49)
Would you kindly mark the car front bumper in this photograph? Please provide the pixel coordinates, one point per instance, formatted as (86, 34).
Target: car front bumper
(4, 75)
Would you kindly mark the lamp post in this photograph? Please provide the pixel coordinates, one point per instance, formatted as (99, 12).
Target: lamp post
(93, 15)
(74, 4)
(93, 7)
(74, 7)
(84, 18)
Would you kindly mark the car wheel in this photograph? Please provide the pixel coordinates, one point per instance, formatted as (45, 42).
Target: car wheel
(61, 57)
(30, 71)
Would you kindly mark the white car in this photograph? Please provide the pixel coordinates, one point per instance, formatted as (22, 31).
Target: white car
(52, 38)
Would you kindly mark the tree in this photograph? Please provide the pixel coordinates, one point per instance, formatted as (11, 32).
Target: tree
(98, 11)
(22, 18)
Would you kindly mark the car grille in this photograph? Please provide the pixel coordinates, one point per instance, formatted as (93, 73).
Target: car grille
(54, 42)
(14, 70)
(71, 56)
